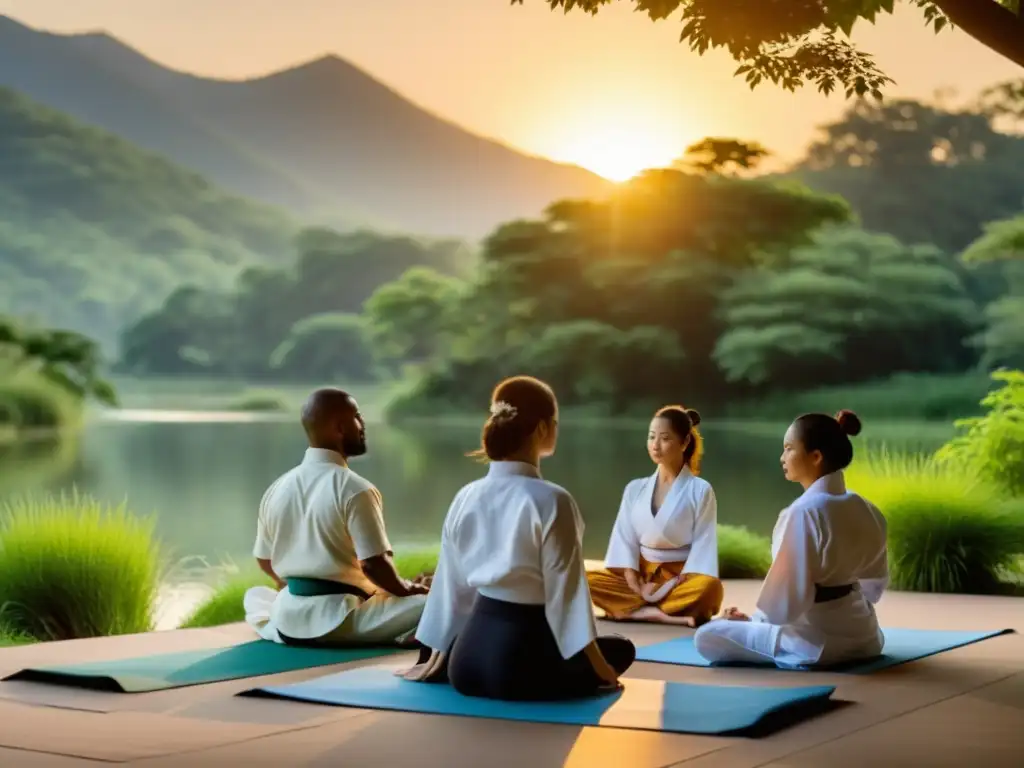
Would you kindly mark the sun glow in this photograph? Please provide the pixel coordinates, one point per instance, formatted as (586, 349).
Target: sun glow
(620, 149)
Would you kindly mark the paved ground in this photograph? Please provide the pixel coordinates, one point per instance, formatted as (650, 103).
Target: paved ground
(961, 707)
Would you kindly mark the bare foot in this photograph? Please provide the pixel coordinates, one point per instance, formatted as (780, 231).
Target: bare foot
(658, 616)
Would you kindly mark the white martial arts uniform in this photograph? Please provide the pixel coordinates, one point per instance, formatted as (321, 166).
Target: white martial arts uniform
(683, 531)
(829, 537)
(514, 537)
(318, 521)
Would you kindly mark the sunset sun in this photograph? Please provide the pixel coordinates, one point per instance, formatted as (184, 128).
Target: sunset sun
(620, 149)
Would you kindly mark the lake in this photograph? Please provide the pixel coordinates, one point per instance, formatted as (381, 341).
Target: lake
(203, 475)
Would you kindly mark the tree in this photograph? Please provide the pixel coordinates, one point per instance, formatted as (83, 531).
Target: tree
(917, 171)
(408, 318)
(617, 299)
(323, 347)
(794, 42)
(65, 358)
(714, 155)
(1002, 244)
(853, 306)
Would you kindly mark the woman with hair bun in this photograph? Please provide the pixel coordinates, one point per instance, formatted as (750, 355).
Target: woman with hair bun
(509, 602)
(829, 565)
(662, 560)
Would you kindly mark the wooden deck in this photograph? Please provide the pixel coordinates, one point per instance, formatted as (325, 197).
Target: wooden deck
(962, 707)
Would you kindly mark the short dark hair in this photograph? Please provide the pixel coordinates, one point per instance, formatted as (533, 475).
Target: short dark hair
(830, 435)
(518, 405)
(684, 422)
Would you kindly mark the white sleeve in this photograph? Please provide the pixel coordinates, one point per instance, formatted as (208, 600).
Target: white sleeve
(365, 521)
(567, 602)
(624, 545)
(449, 602)
(704, 547)
(875, 580)
(264, 545)
(788, 589)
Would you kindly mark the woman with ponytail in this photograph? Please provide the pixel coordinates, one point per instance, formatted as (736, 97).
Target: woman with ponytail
(829, 565)
(662, 560)
(509, 613)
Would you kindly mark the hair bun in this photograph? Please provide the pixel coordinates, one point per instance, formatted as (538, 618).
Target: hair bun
(694, 416)
(849, 422)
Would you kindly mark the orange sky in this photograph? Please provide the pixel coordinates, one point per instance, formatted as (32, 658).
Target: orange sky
(611, 93)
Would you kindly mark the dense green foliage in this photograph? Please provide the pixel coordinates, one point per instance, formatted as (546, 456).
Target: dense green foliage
(742, 288)
(94, 231)
(742, 554)
(921, 172)
(795, 42)
(948, 530)
(46, 375)
(991, 446)
(287, 322)
(71, 567)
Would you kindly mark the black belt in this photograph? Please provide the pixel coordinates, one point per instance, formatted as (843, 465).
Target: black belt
(828, 594)
(306, 587)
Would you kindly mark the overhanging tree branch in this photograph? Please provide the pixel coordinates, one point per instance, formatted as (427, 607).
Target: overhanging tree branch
(990, 24)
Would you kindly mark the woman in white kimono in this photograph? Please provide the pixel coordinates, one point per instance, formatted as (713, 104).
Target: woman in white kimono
(829, 564)
(662, 560)
(509, 613)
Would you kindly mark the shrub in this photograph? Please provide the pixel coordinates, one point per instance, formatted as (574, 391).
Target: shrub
(28, 402)
(224, 606)
(947, 532)
(992, 446)
(260, 401)
(71, 567)
(742, 554)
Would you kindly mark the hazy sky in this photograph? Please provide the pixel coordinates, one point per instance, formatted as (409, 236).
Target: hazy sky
(611, 92)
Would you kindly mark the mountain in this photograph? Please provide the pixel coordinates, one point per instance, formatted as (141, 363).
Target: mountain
(323, 139)
(94, 231)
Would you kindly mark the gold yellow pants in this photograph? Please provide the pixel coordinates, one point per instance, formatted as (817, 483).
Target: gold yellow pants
(697, 595)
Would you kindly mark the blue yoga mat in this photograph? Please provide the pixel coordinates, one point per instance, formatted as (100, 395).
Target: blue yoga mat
(650, 705)
(901, 646)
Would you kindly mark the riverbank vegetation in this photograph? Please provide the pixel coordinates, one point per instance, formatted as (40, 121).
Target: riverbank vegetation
(46, 376)
(745, 289)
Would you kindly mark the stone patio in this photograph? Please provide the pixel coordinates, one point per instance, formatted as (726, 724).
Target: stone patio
(962, 707)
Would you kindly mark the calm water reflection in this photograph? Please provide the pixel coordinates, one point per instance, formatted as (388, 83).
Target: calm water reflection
(204, 481)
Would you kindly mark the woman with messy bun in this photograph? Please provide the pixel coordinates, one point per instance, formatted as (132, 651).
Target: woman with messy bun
(509, 613)
(662, 560)
(829, 565)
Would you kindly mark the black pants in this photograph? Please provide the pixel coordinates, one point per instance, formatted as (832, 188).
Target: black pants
(507, 651)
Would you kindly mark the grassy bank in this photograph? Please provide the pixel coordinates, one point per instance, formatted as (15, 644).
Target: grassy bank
(908, 397)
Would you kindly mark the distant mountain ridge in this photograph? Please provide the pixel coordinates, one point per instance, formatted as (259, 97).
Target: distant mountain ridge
(324, 139)
(95, 231)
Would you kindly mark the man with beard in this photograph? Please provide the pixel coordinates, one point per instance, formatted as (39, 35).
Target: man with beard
(320, 536)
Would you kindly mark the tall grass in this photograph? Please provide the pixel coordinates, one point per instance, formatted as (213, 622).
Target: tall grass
(224, 606)
(947, 531)
(742, 554)
(72, 567)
